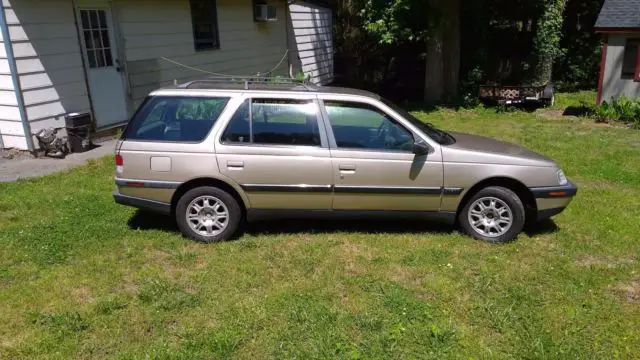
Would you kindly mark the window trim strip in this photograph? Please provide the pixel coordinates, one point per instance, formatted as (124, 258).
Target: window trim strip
(288, 188)
(345, 189)
(396, 190)
(149, 184)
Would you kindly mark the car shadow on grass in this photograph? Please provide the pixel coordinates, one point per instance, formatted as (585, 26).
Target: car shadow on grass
(143, 220)
(579, 111)
(329, 226)
(543, 227)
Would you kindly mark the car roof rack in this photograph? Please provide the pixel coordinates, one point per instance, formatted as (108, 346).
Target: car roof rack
(250, 83)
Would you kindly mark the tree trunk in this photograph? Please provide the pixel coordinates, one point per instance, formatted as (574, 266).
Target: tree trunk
(442, 74)
(547, 40)
(434, 75)
(451, 49)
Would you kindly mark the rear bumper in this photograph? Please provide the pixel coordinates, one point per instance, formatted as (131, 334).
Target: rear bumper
(552, 201)
(150, 205)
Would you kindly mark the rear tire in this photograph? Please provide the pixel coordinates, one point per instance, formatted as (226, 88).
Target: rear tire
(548, 103)
(494, 214)
(208, 215)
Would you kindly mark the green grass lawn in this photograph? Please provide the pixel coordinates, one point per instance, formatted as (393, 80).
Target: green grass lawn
(82, 277)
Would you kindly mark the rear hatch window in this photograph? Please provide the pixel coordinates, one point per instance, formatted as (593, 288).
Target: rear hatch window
(173, 118)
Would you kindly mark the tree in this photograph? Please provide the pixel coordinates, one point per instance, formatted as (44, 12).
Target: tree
(434, 23)
(579, 64)
(547, 40)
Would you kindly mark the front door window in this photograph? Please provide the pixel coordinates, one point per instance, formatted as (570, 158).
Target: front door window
(95, 33)
(362, 126)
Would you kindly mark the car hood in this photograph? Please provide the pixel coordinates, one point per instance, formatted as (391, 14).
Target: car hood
(479, 149)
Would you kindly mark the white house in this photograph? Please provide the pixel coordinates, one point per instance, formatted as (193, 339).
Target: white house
(105, 56)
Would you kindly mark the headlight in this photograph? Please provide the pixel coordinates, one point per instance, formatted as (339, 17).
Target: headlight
(562, 180)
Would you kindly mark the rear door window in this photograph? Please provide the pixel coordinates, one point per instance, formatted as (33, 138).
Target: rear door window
(275, 122)
(180, 119)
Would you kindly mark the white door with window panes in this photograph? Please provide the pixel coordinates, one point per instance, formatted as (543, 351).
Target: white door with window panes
(106, 83)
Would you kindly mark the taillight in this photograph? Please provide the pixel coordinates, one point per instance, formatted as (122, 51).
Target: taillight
(119, 161)
(119, 164)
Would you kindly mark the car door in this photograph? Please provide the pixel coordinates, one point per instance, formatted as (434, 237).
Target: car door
(274, 148)
(374, 166)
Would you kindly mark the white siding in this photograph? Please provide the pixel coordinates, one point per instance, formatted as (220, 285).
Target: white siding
(313, 41)
(246, 47)
(11, 132)
(48, 59)
(12, 141)
(8, 98)
(613, 84)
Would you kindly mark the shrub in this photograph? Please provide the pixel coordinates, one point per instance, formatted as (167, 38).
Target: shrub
(621, 109)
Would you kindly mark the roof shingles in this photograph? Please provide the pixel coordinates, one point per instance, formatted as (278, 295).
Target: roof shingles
(619, 14)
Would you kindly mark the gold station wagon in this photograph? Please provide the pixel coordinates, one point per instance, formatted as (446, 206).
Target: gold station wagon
(215, 154)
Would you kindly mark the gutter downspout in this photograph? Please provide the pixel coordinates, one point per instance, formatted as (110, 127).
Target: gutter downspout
(4, 27)
(287, 34)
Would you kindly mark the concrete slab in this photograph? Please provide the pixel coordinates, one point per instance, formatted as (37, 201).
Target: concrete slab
(12, 170)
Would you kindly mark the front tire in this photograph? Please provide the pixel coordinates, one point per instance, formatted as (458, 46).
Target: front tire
(494, 214)
(208, 214)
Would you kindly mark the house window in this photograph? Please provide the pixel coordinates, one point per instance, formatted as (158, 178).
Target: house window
(631, 60)
(204, 16)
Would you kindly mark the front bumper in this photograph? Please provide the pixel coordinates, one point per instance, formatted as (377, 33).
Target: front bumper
(552, 200)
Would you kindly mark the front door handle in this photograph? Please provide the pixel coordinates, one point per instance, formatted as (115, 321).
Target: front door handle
(235, 165)
(347, 168)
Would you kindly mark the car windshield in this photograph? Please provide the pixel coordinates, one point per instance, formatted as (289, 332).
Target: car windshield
(439, 136)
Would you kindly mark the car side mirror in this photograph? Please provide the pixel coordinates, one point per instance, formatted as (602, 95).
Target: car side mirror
(420, 148)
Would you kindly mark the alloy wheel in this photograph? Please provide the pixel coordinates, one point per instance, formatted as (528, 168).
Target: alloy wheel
(207, 216)
(490, 217)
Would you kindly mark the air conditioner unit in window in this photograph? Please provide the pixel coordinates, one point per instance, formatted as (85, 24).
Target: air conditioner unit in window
(264, 12)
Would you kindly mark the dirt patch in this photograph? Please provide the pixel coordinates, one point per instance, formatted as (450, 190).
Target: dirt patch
(608, 262)
(163, 259)
(405, 276)
(600, 185)
(553, 114)
(352, 254)
(15, 154)
(130, 286)
(630, 292)
(82, 294)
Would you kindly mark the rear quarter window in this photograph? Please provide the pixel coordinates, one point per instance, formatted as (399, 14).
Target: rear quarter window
(179, 119)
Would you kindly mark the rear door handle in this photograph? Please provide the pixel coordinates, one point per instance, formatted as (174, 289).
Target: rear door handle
(347, 168)
(235, 164)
